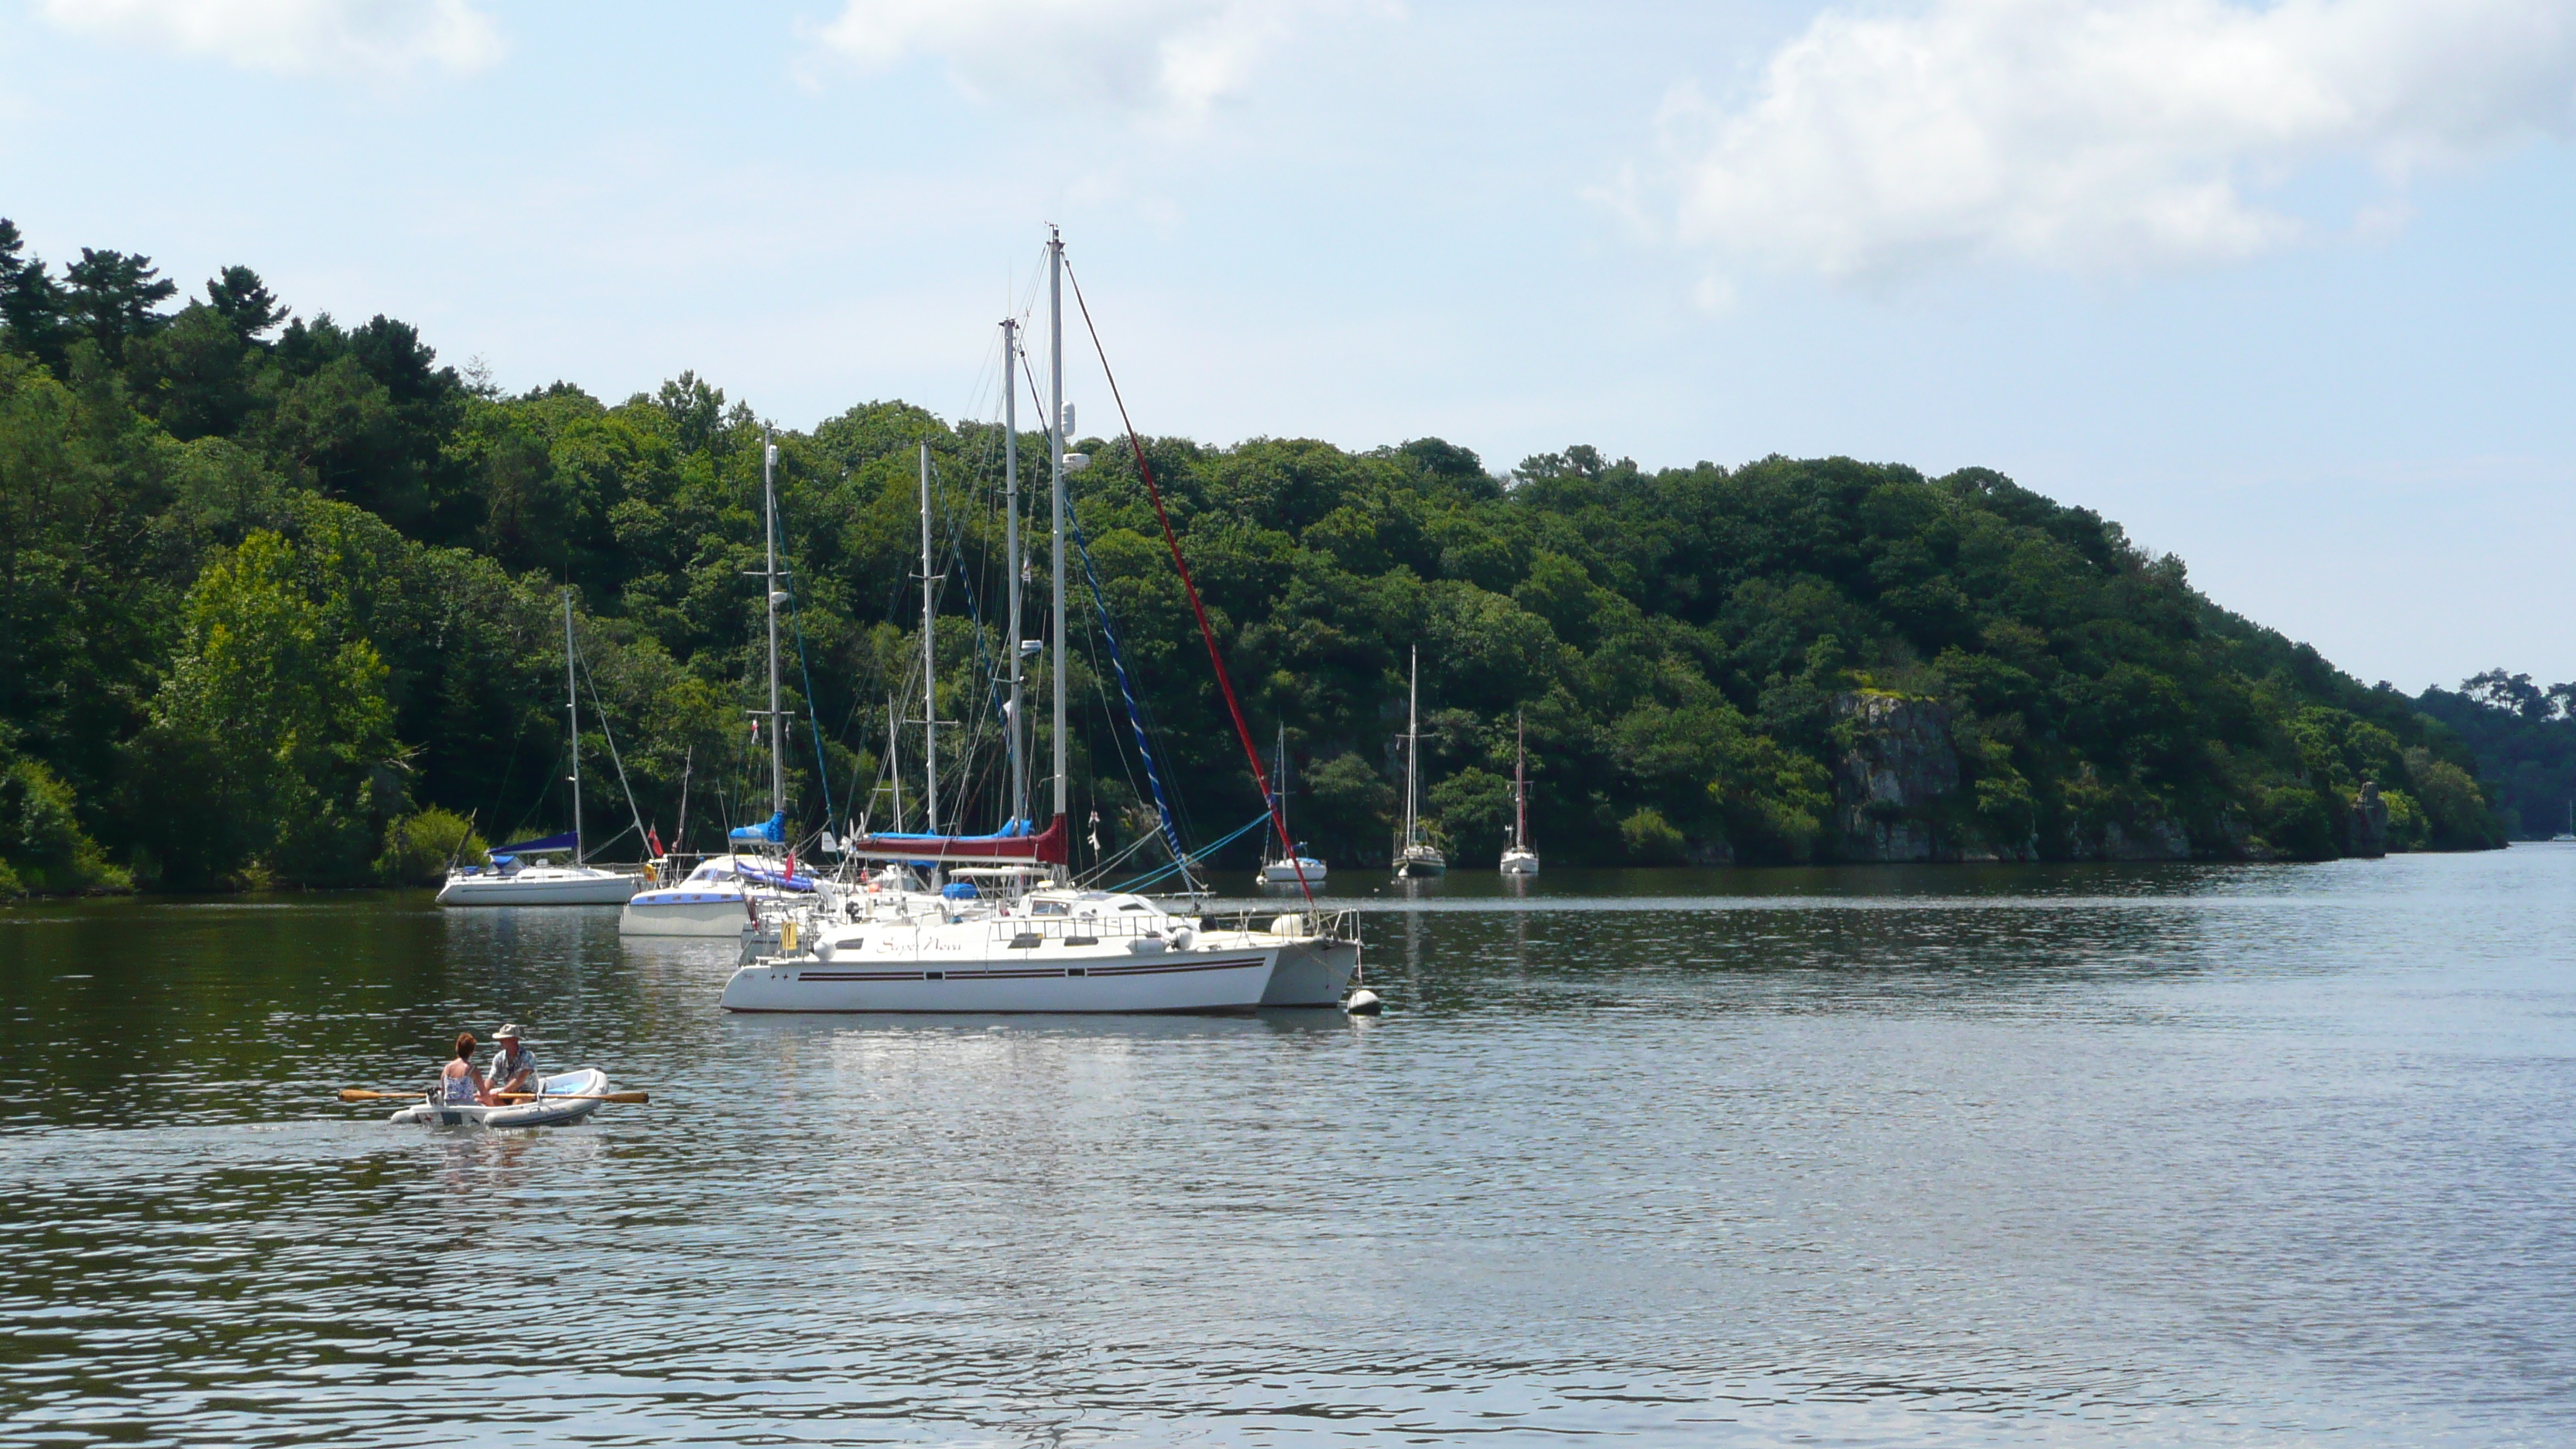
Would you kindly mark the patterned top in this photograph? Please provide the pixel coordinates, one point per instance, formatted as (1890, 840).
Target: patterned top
(508, 1064)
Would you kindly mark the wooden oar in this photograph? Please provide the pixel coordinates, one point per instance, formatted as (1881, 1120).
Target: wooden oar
(361, 1094)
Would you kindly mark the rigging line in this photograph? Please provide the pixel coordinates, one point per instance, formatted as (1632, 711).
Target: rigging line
(796, 622)
(1140, 719)
(975, 617)
(609, 735)
(1118, 748)
(1126, 690)
(1171, 540)
(1254, 824)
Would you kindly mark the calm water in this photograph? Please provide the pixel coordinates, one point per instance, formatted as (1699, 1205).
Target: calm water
(2258, 1155)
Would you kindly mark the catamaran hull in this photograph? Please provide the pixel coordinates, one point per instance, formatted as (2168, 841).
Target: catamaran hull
(603, 890)
(1173, 981)
(1312, 973)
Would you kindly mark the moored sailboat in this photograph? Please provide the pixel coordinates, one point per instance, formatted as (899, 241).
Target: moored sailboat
(1415, 857)
(1292, 864)
(725, 893)
(507, 882)
(1055, 947)
(1518, 858)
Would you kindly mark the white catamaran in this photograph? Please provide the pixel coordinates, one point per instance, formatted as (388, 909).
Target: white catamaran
(1051, 947)
(1415, 857)
(1519, 859)
(507, 881)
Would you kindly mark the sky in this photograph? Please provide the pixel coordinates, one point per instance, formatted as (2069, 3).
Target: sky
(2282, 287)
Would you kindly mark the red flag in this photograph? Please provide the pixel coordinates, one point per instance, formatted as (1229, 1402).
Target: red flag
(791, 865)
(653, 837)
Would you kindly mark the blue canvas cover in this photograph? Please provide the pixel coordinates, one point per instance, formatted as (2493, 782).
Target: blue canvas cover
(773, 830)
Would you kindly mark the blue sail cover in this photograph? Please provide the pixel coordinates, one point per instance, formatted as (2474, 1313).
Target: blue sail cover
(567, 841)
(774, 830)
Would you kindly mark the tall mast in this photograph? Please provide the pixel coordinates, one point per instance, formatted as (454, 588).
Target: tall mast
(777, 729)
(929, 667)
(1011, 537)
(1520, 784)
(572, 708)
(1412, 741)
(1055, 470)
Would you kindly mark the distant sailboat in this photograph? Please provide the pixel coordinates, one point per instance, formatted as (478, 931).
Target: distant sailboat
(1520, 859)
(1415, 857)
(1289, 869)
(505, 882)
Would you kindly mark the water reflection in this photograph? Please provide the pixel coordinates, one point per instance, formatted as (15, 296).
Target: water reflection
(2159, 1155)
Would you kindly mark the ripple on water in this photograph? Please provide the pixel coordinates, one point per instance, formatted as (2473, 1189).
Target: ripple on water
(2175, 1156)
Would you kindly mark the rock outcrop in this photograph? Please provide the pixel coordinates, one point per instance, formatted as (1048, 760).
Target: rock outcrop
(1894, 778)
(2369, 823)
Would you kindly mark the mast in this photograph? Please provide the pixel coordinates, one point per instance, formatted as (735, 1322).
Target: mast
(1055, 470)
(1283, 784)
(1412, 743)
(777, 731)
(1011, 544)
(929, 667)
(572, 708)
(1520, 782)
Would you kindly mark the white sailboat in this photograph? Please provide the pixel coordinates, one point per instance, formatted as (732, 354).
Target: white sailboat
(726, 893)
(1296, 865)
(508, 882)
(1415, 857)
(1053, 948)
(1519, 859)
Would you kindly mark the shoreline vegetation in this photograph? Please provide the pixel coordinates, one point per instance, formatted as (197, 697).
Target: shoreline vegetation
(278, 607)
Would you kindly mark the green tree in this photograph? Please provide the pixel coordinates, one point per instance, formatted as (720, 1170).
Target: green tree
(270, 749)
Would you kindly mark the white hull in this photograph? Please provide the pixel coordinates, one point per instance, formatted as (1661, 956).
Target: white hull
(540, 886)
(697, 913)
(1312, 973)
(588, 1081)
(1520, 862)
(1180, 981)
(1281, 872)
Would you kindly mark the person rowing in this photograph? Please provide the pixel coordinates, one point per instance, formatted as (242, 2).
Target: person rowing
(514, 1067)
(458, 1083)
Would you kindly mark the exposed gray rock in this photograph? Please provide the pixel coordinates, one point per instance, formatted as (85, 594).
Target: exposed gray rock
(2152, 837)
(2369, 822)
(1898, 768)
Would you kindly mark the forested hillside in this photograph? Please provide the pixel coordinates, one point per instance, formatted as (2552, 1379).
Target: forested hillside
(279, 596)
(2523, 736)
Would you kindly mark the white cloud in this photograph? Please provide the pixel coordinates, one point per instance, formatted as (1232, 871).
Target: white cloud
(2098, 134)
(296, 37)
(1176, 57)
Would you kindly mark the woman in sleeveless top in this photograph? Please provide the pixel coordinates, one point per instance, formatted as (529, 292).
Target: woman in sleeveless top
(458, 1082)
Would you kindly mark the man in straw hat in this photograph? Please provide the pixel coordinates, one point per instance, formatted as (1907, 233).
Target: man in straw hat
(514, 1067)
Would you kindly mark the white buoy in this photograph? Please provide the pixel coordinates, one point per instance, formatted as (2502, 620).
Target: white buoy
(1363, 1002)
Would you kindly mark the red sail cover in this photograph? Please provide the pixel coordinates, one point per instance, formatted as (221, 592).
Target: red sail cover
(1045, 848)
